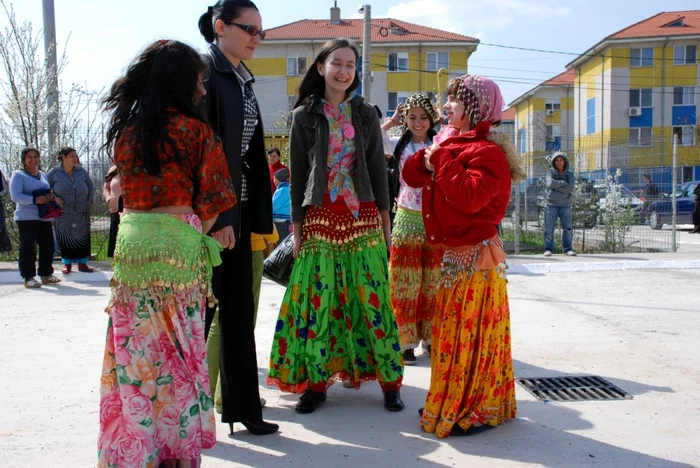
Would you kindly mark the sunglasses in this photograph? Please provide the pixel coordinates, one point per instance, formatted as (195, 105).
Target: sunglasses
(252, 30)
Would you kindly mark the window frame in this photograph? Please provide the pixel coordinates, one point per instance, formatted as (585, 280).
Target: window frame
(552, 104)
(640, 141)
(688, 91)
(400, 97)
(437, 61)
(399, 57)
(640, 93)
(641, 58)
(298, 71)
(683, 128)
(684, 60)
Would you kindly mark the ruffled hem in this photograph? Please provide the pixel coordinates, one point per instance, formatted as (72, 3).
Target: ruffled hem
(340, 376)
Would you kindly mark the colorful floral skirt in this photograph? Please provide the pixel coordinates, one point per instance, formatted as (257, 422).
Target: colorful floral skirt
(336, 320)
(414, 273)
(472, 379)
(155, 404)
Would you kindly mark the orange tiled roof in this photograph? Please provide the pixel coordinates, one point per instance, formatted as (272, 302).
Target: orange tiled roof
(667, 23)
(508, 114)
(565, 78)
(384, 30)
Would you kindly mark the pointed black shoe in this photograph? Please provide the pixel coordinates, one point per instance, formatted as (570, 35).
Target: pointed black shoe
(392, 400)
(309, 401)
(258, 428)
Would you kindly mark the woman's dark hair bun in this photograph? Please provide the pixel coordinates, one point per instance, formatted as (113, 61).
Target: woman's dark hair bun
(206, 25)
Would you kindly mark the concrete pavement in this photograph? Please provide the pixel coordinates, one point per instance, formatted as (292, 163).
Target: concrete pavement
(583, 315)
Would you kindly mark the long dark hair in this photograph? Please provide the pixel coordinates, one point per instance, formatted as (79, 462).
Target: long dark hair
(162, 77)
(225, 10)
(313, 85)
(395, 162)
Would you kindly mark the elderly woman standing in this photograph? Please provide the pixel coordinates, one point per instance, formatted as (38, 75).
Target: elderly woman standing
(29, 188)
(71, 183)
(466, 181)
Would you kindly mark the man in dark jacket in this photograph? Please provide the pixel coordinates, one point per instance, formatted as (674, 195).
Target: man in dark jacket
(560, 195)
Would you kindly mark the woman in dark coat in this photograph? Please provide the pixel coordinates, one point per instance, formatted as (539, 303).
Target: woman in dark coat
(234, 30)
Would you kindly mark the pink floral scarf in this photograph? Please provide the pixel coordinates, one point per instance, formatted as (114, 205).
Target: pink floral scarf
(341, 154)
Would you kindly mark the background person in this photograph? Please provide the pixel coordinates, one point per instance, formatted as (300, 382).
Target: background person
(273, 158)
(559, 195)
(112, 193)
(281, 203)
(25, 183)
(72, 184)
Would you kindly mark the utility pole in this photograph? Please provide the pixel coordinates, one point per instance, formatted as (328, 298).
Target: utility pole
(674, 182)
(52, 68)
(366, 50)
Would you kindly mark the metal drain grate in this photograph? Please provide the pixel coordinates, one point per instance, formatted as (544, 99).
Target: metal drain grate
(572, 388)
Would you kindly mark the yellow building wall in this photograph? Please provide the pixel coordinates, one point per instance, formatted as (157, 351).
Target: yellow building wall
(293, 84)
(268, 66)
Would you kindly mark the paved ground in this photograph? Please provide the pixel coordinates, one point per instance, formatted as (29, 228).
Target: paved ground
(636, 326)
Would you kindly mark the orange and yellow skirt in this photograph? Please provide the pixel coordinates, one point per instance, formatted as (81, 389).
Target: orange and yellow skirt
(414, 274)
(472, 380)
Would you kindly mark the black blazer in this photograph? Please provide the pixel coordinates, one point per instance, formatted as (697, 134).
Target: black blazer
(224, 109)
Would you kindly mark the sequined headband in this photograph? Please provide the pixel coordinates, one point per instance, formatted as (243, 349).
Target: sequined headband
(422, 101)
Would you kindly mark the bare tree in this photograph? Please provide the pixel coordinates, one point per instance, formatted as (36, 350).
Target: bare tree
(24, 81)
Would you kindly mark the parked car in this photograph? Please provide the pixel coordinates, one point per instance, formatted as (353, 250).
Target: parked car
(660, 212)
(627, 200)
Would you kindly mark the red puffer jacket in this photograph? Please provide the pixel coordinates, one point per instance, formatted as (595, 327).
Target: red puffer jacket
(469, 192)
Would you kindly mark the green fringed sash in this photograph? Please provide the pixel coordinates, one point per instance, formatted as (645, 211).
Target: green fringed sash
(160, 250)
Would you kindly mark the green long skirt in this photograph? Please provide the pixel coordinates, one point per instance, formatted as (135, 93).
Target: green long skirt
(335, 321)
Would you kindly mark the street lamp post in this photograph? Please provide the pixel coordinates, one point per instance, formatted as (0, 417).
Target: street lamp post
(52, 66)
(366, 50)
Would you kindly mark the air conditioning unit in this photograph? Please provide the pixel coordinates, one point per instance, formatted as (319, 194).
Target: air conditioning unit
(634, 111)
(549, 112)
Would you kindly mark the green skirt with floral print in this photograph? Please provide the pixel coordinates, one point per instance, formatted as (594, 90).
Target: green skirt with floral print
(335, 321)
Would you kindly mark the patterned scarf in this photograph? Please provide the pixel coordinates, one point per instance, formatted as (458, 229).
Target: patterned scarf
(341, 154)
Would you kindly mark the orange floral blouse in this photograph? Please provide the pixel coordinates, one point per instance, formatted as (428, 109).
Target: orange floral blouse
(202, 180)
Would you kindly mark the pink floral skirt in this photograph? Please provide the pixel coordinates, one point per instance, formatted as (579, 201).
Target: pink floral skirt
(155, 402)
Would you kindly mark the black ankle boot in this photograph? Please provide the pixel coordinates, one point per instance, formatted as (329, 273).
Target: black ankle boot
(392, 400)
(309, 401)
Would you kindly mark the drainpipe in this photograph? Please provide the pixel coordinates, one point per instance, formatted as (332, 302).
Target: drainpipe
(663, 102)
(578, 120)
(602, 119)
(420, 67)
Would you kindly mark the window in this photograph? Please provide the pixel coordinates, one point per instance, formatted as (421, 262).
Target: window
(437, 60)
(683, 96)
(296, 66)
(395, 99)
(523, 141)
(640, 136)
(642, 57)
(553, 132)
(640, 97)
(291, 100)
(685, 55)
(397, 61)
(552, 104)
(685, 134)
(590, 116)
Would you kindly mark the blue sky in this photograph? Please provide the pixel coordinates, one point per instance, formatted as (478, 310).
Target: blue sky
(106, 34)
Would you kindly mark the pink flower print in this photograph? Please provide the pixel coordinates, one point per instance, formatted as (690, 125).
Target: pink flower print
(182, 385)
(168, 427)
(110, 408)
(137, 405)
(348, 130)
(131, 446)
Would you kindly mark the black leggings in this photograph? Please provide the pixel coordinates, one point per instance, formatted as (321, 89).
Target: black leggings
(32, 233)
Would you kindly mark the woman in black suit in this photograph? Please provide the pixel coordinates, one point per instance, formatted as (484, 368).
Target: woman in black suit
(234, 30)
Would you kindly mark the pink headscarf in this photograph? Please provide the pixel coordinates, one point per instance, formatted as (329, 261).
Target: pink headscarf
(484, 102)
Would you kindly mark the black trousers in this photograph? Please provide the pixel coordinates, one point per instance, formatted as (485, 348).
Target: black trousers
(233, 287)
(31, 234)
(696, 214)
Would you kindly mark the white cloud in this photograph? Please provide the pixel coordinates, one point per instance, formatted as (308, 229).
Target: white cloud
(469, 17)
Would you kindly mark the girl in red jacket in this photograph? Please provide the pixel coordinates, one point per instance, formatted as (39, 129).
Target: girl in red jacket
(466, 181)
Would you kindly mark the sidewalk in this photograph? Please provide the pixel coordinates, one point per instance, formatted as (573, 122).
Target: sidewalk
(638, 331)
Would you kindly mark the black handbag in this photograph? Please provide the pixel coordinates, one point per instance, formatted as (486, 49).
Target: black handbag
(278, 265)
